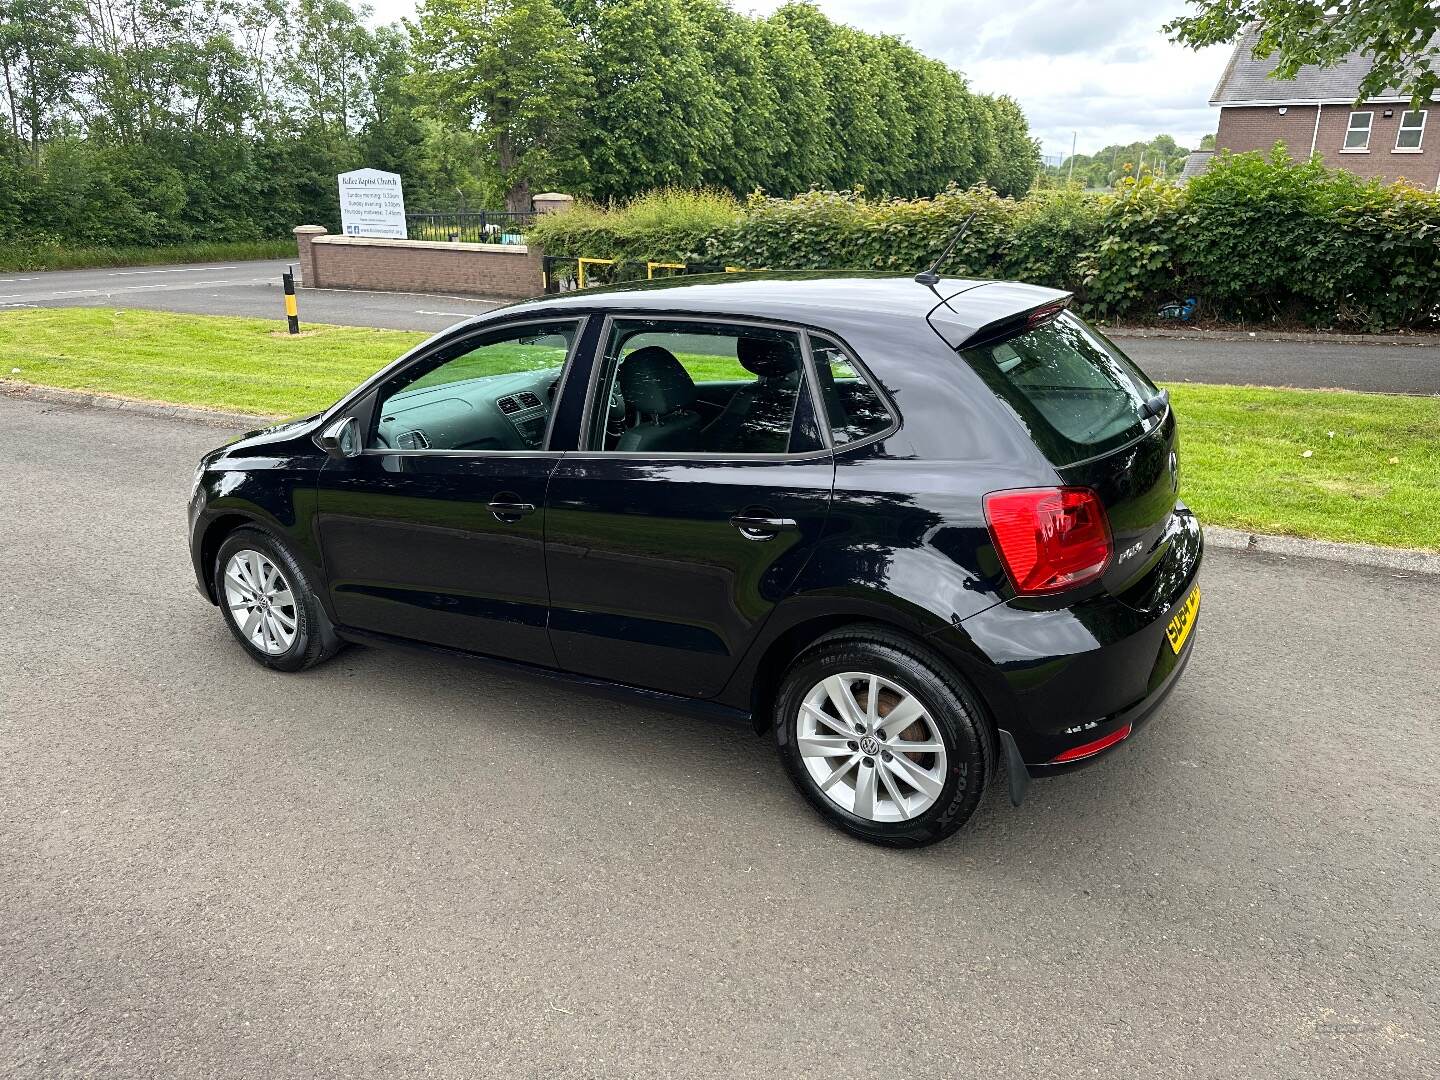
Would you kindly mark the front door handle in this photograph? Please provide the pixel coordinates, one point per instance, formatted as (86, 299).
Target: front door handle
(757, 526)
(508, 508)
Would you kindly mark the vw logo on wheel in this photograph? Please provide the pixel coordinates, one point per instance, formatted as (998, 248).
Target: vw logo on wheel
(870, 745)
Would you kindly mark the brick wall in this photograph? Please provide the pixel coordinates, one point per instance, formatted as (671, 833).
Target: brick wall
(1257, 127)
(1245, 129)
(505, 271)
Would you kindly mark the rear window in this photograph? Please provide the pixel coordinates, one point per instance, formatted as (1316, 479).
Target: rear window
(1079, 395)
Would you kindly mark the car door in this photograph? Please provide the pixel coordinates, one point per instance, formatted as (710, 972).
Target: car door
(699, 488)
(435, 530)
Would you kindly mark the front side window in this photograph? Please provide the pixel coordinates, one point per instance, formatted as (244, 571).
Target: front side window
(1412, 130)
(852, 407)
(669, 386)
(491, 392)
(1078, 395)
(1357, 135)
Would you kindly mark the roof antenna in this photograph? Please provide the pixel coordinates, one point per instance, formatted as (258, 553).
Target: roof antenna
(928, 276)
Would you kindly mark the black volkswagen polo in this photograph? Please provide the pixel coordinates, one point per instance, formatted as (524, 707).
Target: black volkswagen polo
(906, 526)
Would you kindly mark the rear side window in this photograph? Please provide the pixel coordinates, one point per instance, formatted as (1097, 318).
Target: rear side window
(855, 411)
(681, 387)
(1078, 395)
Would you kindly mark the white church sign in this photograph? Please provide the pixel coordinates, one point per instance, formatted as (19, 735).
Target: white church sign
(372, 203)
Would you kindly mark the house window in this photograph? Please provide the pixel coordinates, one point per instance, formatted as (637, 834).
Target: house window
(1412, 130)
(1357, 135)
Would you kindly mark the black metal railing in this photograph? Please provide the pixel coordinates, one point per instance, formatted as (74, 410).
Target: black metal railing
(469, 226)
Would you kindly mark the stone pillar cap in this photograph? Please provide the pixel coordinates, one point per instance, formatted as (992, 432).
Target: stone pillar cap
(309, 229)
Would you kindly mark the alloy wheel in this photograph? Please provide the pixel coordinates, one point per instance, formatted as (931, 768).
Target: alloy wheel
(871, 746)
(260, 601)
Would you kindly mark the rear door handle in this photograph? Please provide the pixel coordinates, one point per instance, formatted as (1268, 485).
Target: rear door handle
(761, 526)
(505, 509)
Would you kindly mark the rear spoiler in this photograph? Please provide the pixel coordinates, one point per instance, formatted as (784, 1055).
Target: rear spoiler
(994, 311)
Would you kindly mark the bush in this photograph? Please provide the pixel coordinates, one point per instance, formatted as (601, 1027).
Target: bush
(1257, 238)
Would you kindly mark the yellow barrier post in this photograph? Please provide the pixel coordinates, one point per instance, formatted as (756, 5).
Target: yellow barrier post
(582, 263)
(292, 313)
(651, 267)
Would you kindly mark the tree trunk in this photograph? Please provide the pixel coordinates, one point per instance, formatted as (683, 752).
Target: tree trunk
(517, 199)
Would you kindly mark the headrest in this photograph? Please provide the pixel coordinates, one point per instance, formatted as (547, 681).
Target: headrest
(655, 382)
(767, 357)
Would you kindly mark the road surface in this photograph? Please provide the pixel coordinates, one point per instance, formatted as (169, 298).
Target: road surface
(253, 288)
(398, 865)
(244, 288)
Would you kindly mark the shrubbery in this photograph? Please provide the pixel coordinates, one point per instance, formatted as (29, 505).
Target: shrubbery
(1256, 239)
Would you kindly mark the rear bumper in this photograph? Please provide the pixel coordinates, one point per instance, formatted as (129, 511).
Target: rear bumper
(1058, 681)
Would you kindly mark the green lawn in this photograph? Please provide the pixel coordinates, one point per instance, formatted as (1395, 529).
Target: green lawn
(28, 256)
(246, 365)
(1373, 474)
(1242, 448)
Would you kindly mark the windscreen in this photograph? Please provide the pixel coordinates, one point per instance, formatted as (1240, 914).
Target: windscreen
(1079, 396)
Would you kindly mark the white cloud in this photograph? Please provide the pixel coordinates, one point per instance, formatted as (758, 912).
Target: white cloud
(1101, 69)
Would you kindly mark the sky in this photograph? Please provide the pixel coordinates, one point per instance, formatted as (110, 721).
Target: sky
(1101, 70)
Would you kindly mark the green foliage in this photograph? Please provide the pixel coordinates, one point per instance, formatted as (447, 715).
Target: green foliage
(1161, 157)
(137, 122)
(1399, 37)
(512, 71)
(1133, 263)
(1256, 239)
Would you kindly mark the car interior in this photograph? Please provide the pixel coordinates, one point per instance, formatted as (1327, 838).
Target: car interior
(684, 389)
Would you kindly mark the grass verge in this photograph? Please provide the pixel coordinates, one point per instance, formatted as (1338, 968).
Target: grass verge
(1372, 474)
(212, 361)
(38, 257)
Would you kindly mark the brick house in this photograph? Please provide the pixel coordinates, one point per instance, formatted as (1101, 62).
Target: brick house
(1315, 113)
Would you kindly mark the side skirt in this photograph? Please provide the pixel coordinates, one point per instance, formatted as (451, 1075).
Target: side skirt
(655, 699)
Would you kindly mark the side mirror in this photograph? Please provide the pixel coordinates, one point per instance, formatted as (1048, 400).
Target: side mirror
(1156, 405)
(341, 439)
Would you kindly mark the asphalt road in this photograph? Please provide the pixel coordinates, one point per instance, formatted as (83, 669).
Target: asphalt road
(244, 288)
(399, 865)
(253, 288)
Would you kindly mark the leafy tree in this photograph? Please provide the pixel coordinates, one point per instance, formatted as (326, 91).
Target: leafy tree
(510, 69)
(1160, 156)
(804, 148)
(392, 136)
(1399, 36)
(741, 149)
(40, 64)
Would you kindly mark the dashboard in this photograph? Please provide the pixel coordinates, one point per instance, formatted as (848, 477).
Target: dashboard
(493, 412)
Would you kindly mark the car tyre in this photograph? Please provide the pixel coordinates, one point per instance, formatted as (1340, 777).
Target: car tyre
(910, 798)
(269, 602)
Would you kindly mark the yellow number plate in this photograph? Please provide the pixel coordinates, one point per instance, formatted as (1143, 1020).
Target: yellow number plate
(1184, 620)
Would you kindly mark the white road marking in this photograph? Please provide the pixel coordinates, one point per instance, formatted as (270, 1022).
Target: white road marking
(457, 314)
(74, 294)
(178, 270)
(12, 280)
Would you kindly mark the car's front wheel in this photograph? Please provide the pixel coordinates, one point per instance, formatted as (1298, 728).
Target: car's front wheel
(269, 604)
(882, 739)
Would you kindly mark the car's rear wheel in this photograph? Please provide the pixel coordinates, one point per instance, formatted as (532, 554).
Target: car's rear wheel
(269, 604)
(882, 738)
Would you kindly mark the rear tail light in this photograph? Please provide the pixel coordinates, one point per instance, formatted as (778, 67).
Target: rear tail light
(1050, 539)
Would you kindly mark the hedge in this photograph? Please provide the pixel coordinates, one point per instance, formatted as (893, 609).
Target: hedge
(1255, 239)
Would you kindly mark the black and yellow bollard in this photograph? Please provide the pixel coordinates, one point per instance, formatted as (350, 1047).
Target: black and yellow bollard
(292, 314)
